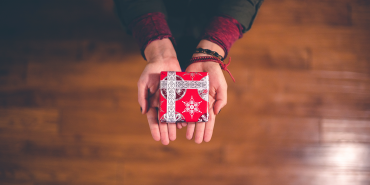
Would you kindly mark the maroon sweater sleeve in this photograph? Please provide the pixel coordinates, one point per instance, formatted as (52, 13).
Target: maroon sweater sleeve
(148, 28)
(224, 31)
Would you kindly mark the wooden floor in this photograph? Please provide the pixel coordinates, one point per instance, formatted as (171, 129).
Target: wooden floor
(298, 114)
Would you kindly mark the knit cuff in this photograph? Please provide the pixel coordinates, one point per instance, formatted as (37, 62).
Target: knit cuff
(223, 31)
(148, 28)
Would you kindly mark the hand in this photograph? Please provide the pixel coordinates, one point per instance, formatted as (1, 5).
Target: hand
(217, 93)
(161, 56)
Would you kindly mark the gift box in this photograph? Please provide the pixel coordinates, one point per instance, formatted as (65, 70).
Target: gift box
(183, 97)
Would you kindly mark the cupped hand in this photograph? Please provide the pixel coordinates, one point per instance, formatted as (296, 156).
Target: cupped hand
(217, 100)
(161, 56)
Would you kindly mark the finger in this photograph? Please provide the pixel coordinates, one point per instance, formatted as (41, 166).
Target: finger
(154, 100)
(184, 124)
(172, 131)
(190, 130)
(179, 125)
(209, 127)
(152, 117)
(142, 97)
(199, 132)
(164, 133)
(221, 98)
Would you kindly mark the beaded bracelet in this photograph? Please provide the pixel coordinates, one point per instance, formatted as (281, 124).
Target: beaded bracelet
(213, 59)
(209, 52)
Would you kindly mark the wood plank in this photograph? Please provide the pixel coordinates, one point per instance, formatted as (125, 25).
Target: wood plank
(349, 156)
(361, 14)
(249, 128)
(24, 97)
(12, 72)
(345, 130)
(39, 120)
(318, 48)
(320, 37)
(122, 121)
(101, 98)
(301, 104)
(46, 171)
(192, 173)
(340, 60)
(70, 50)
(317, 94)
(107, 148)
(273, 57)
(129, 121)
(287, 81)
(58, 75)
(298, 13)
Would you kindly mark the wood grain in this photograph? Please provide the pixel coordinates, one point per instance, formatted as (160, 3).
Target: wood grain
(299, 112)
(37, 120)
(345, 130)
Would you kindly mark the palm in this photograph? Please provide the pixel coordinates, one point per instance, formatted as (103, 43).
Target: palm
(150, 75)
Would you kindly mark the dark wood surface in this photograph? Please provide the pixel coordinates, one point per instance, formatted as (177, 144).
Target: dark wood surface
(299, 112)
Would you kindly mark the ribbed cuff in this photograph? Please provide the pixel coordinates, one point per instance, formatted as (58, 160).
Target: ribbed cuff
(148, 28)
(224, 31)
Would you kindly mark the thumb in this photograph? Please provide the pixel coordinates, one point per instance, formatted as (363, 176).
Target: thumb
(221, 99)
(154, 100)
(154, 95)
(142, 97)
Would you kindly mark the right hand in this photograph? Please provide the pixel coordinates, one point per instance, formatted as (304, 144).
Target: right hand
(217, 93)
(161, 56)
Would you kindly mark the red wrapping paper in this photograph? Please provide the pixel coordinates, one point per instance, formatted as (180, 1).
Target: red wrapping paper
(183, 97)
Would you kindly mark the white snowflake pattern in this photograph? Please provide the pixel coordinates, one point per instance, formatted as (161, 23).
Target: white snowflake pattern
(192, 107)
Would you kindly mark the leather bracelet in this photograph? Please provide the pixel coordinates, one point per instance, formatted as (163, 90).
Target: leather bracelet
(213, 59)
(209, 52)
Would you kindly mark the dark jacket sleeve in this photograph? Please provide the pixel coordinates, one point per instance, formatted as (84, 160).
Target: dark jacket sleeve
(128, 10)
(244, 11)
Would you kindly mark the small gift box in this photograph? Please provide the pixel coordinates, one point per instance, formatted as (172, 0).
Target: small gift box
(183, 97)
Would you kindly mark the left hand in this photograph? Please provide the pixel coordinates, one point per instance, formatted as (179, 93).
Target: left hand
(217, 100)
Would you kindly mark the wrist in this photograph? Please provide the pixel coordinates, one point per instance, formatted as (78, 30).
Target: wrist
(160, 50)
(206, 44)
(204, 63)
